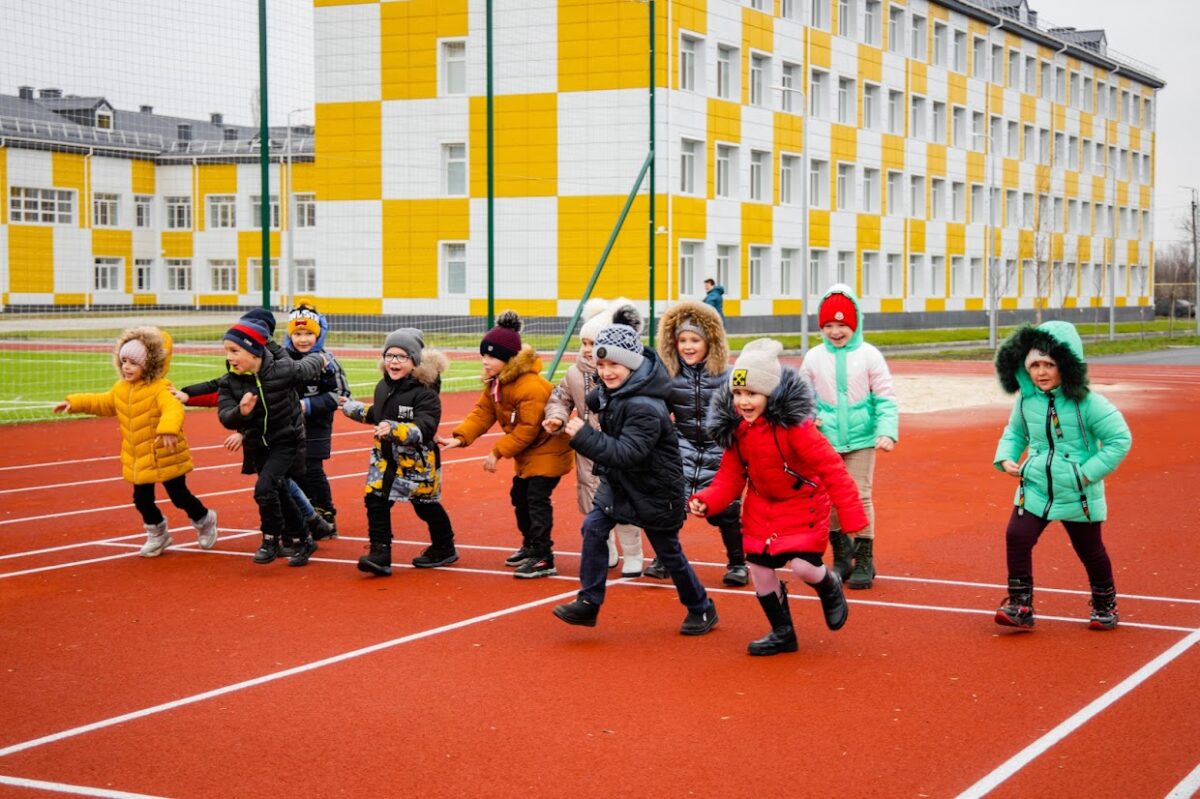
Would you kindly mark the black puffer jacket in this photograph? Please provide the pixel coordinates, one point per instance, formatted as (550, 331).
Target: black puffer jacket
(276, 418)
(635, 451)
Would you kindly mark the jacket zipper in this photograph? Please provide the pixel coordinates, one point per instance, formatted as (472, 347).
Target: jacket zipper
(262, 395)
(1087, 513)
(1051, 414)
(699, 378)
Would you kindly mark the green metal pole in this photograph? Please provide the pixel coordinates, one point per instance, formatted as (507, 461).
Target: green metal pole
(264, 153)
(491, 183)
(653, 222)
(587, 292)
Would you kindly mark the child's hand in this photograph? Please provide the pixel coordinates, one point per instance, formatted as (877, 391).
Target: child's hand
(234, 442)
(383, 430)
(1011, 468)
(697, 508)
(489, 463)
(574, 426)
(167, 441)
(449, 442)
(552, 425)
(179, 395)
(62, 407)
(249, 400)
(341, 400)
(817, 421)
(884, 443)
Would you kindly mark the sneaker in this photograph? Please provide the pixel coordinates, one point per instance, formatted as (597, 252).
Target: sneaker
(1015, 614)
(304, 549)
(656, 570)
(320, 527)
(268, 551)
(157, 539)
(698, 623)
(580, 612)
(432, 558)
(736, 575)
(206, 530)
(517, 558)
(1104, 609)
(536, 567)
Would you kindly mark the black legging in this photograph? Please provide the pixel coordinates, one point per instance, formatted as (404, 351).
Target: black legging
(1024, 530)
(181, 497)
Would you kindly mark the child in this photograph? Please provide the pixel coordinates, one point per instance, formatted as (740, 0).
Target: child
(405, 461)
(636, 454)
(693, 347)
(571, 395)
(856, 410)
(307, 331)
(257, 397)
(514, 396)
(153, 447)
(762, 418)
(1074, 439)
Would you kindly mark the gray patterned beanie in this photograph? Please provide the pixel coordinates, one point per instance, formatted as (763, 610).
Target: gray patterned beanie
(408, 339)
(620, 344)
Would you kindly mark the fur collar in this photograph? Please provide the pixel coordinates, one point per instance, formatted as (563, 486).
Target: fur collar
(523, 362)
(429, 373)
(1010, 362)
(714, 332)
(791, 404)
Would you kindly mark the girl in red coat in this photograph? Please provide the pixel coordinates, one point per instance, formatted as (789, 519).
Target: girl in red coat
(763, 419)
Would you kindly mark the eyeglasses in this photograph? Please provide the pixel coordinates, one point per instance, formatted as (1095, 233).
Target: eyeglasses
(396, 357)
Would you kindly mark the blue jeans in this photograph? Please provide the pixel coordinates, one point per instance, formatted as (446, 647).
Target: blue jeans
(593, 562)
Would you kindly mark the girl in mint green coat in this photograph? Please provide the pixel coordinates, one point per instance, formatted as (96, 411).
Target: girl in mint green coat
(1074, 439)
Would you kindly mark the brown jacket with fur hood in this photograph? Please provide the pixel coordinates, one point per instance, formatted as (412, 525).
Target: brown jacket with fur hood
(516, 399)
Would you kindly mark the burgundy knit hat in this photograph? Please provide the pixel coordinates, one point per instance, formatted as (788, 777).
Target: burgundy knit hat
(504, 340)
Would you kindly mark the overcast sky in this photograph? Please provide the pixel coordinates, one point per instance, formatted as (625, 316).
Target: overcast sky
(190, 58)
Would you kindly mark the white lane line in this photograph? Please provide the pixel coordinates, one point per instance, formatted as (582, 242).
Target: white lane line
(278, 675)
(1093, 708)
(1040, 589)
(77, 790)
(1187, 788)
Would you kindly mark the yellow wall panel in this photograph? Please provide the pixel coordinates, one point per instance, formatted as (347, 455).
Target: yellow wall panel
(408, 41)
(584, 227)
(1070, 302)
(1028, 111)
(757, 224)
(918, 77)
(412, 230)
(523, 306)
(935, 304)
(724, 121)
(144, 177)
(1084, 248)
(1131, 255)
(348, 151)
(1144, 194)
(603, 46)
(30, 259)
(758, 31)
(973, 304)
(976, 169)
(1070, 185)
(892, 148)
(1008, 303)
(916, 235)
(818, 228)
(689, 217)
(70, 299)
(789, 132)
(843, 143)
(115, 244)
(818, 47)
(214, 179)
(1122, 192)
(935, 159)
(995, 99)
(956, 238)
(870, 65)
(1135, 138)
(145, 299)
(786, 307)
(177, 244)
(891, 306)
(1086, 124)
(352, 305)
(1056, 247)
(304, 177)
(868, 232)
(1011, 173)
(1025, 244)
(526, 133)
(4, 186)
(956, 88)
(67, 173)
(249, 244)
(225, 300)
(1060, 116)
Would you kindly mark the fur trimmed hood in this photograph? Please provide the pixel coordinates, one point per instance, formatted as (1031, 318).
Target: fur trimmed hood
(705, 318)
(789, 405)
(429, 373)
(1061, 341)
(158, 346)
(523, 362)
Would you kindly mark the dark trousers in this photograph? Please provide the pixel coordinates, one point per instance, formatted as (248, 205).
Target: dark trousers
(593, 561)
(276, 511)
(729, 522)
(316, 484)
(181, 497)
(1024, 530)
(535, 513)
(379, 521)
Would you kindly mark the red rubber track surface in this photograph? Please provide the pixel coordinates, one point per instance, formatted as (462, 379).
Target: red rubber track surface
(469, 686)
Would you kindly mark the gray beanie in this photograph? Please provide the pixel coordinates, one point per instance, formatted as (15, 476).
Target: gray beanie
(408, 339)
(619, 344)
(757, 368)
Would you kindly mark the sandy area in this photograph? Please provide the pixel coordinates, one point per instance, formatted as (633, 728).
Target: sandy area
(926, 394)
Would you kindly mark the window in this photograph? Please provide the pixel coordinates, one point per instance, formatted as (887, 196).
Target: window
(919, 36)
(758, 5)
(977, 209)
(937, 275)
(896, 29)
(1043, 153)
(688, 48)
(179, 213)
(1074, 83)
(1030, 75)
(818, 88)
(845, 187)
(870, 109)
(997, 64)
(818, 186)
(787, 81)
(48, 206)
(760, 265)
(1029, 279)
(454, 67)
(726, 263)
(306, 276)
(1087, 102)
(871, 279)
(689, 266)
(1012, 208)
(1012, 142)
(918, 279)
(892, 276)
(978, 134)
(819, 16)
(846, 19)
(939, 122)
(223, 276)
(845, 268)
(975, 279)
(997, 136)
(141, 211)
(1072, 153)
(958, 126)
(256, 215)
(143, 275)
(958, 276)
(256, 274)
(1027, 210)
(1060, 150)
(1030, 136)
(222, 211)
(687, 166)
(306, 210)
(994, 208)
(958, 202)
(104, 210)
(454, 168)
(179, 274)
(872, 18)
(895, 192)
(789, 271)
(787, 8)
(1072, 216)
(789, 173)
(979, 58)
(917, 119)
(726, 69)
(937, 198)
(847, 113)
(760, 171)
(940, 45)
(726, 164)
(454, 268)
(896, 113)
(758, 71)
(1060, 84)
(818, 269)
(1085, 218)
(916, 196)
(1044, 84)
(1014, 69)
(960, 51)
(106, 274)
(870, 191)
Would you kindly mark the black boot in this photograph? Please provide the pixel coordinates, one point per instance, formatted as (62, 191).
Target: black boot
(833, 600)
(843, 553)
(268, 551)
(320, 527)
(782, 637)
(1104, 607)
(303, 551)
(1017, 610)
(863, 575)
(379, 561)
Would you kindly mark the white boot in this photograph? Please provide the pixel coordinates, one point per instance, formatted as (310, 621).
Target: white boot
(206, 530)
(631, 545)
(157, 539)
(613, 559)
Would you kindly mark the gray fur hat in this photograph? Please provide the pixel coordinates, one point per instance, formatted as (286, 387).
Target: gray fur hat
(408, 339)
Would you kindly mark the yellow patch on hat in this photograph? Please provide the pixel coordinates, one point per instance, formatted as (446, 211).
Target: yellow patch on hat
(738, 379)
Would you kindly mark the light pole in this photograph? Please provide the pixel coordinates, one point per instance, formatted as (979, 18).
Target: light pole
(291, 210)
(1195, 261)
(992, 280)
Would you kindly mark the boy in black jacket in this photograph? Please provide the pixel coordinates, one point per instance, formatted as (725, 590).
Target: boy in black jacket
(258, 398)
(636, 455)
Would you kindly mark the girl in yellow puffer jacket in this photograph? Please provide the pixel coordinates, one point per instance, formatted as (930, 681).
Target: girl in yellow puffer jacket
(153, 447)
